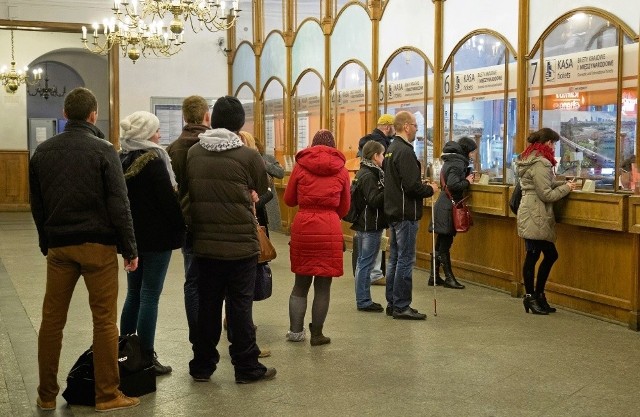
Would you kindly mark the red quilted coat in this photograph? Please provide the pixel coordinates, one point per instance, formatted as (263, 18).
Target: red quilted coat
(319, 185)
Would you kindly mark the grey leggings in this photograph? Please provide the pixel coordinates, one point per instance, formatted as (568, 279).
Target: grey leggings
(298, 301)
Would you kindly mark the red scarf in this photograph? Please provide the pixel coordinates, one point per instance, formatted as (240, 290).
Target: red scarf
(540, 148)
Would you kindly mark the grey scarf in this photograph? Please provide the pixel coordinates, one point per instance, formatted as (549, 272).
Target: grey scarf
(130, 145)
(371, 164)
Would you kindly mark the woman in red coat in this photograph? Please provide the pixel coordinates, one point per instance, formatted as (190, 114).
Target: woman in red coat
(319, 186)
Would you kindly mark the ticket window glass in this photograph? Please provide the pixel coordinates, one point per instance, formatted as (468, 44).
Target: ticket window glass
(244, 24)
(405, 87)
(307, 100)
(246, 97)
(307, 8)
(339, 4)
(575, 83)
(350, 108)
(274, 16)
(274, 139)
(478, 104)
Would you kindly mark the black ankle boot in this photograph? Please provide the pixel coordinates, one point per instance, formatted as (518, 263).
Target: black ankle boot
(542, 302)
(435, 260)
(450, 280)
(532, 303)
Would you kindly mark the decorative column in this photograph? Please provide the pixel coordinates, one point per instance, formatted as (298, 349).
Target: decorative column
(289, 117)
(327, 23)
(257, 47)
(522, 90)
(114, 96)
(438, 119)
(376, 14)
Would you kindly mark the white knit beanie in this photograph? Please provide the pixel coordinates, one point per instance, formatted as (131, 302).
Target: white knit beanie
(140, 125)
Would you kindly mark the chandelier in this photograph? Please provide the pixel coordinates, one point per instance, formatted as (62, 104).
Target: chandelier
(12, 78)
(134, 37)
(213, 15)
(47, 91)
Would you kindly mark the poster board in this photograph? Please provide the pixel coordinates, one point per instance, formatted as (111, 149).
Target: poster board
(169, 111)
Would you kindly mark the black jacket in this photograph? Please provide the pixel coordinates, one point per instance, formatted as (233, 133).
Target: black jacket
(378, 136)
(157, 218)
(403, 188)
(453, 172)
(78, 193)
(371, 193)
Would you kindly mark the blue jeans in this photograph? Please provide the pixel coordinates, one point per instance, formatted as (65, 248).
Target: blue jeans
(190, 287)
(144, 286)
(376, 271)
(368, 249)
(402, 258)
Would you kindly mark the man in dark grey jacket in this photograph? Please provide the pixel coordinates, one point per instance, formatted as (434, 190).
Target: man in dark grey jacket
(80, 208)
(225, 178)
(403, 195)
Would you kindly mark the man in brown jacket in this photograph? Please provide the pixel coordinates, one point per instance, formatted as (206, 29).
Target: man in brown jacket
(195, 112)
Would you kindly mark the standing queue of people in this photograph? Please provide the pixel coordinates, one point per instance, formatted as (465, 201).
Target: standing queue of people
(201, 194)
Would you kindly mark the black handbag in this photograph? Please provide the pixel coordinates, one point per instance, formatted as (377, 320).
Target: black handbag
(137, 374)
(264, 282)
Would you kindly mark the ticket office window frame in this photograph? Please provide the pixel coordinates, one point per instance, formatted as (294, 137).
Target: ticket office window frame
(400, 76)
(578, 91)
(248, 101)
(308, 115)
(273, 118)
(352, 80)
(479, 83)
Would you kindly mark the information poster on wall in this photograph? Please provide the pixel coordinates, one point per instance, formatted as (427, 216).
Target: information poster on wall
(270, 136)
(303, 132)
(171, 122)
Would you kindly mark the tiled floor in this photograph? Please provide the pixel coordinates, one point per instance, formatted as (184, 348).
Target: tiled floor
(481, 356)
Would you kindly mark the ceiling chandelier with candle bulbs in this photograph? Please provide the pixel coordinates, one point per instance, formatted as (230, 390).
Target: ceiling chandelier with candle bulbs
(12, 78)
(134, 37)
(213, 15)
(46, 91)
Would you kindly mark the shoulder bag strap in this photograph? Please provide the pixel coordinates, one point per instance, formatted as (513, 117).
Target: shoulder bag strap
(443, 185)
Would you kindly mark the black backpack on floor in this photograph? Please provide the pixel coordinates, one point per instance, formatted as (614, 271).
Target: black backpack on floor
(137, 374)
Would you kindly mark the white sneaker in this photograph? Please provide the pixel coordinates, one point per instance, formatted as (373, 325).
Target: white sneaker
(296, 337)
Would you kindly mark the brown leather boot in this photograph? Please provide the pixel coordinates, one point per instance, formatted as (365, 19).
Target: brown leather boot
(317, 338)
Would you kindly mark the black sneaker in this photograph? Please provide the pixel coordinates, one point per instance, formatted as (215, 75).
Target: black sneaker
(373, 307)
(201, 378)
(389, 310)
(268, 375)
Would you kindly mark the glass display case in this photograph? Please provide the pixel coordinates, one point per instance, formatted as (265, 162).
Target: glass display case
(406, 85)
(479, 97)
(575, 80)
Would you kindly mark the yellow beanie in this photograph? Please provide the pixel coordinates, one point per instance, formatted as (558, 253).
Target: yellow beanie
(386, 119)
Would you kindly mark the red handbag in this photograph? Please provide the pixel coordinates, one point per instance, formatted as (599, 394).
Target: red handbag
(462, 220)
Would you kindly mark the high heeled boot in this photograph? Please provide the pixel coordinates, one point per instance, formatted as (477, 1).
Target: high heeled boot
(435, 265)
(317, 338)
(450, 279)
(542, 302)
(531, 302)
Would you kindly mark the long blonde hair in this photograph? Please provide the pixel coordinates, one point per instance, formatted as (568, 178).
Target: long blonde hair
(248, 139)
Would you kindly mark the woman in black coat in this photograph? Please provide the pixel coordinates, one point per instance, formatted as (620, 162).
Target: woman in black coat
(456, 177)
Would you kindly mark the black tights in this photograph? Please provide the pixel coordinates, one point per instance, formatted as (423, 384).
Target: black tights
(443, 243)
(534, 248)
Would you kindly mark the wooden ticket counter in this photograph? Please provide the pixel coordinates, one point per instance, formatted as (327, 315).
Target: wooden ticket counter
(597, 273)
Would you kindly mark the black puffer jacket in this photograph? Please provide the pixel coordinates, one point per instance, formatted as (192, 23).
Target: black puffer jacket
(157, 218)
(403, 188)
(378, 136)
(78, 192)
(454, 172)
(369, 190)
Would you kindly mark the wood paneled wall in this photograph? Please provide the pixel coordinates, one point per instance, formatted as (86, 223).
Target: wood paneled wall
(14, 180)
